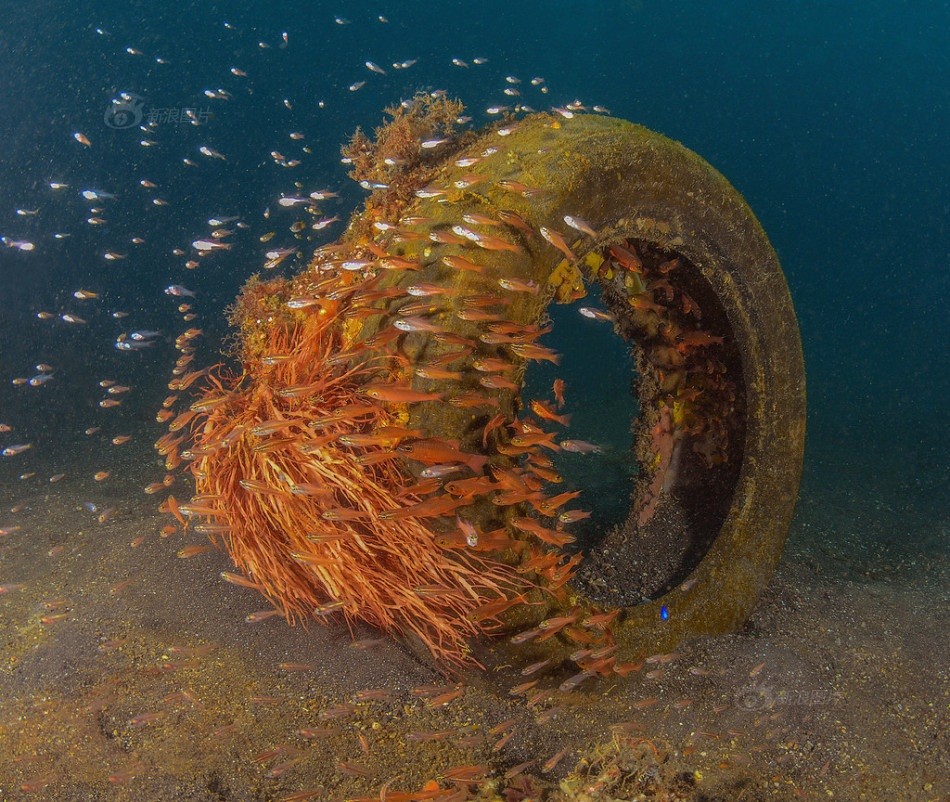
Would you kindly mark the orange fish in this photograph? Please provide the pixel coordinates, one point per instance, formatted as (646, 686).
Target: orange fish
(557, 240)
(477, 315)
(497, 244)
(495, 608)
(430, 508)
(423, 307)
(447, 238)
(538, 352)
(551, 505)
(259, 486)
(497, 421)
(579, 224)
(697, 339)
(449, 357)
(548, 474)
(267, 427)
(237, 579)
(423, 290)
(347, 414)
(470, 180)
(544, 411)
(558, 389)
(515, 220)
(469, 400)
(496, 382)
(558, 622)
(437, 373)
(690, 306)
(409, 236)
(519, 285)
(491, 365)
(642, 303)
(397, 263)
(433, 451)
(473, 486)
(461, 263)
(544, 439)
(627, 257)
(488, 299)
(468, 773)
(398, 393)
(181, 420)
(544, 534)
(192, 551)
(475, 219)
(422, 488)
(519, 188)
(412, 323)
(261, 615)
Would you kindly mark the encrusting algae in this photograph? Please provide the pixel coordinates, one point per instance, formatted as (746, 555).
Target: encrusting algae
(372, 458)
(297, 459)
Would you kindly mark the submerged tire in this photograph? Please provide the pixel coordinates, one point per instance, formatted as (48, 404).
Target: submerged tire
(661, 202)
(366, 373)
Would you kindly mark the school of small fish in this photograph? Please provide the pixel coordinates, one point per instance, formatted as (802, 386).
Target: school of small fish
(296, 218)
(222, 230)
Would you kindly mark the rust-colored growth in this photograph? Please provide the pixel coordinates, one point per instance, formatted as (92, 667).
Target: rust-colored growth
(314, 523)
(259, 301)
(688, 385)
(311, 462)
(396, 146)
(395, 158)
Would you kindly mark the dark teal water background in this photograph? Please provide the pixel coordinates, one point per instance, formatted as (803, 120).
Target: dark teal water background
(831, 117)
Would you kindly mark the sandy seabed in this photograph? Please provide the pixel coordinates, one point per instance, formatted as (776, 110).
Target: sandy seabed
(128, 673)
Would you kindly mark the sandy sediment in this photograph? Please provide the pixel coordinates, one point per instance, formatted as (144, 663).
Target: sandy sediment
(129, 673)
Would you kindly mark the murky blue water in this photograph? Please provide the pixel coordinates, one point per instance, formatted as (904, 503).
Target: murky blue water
(831, 119)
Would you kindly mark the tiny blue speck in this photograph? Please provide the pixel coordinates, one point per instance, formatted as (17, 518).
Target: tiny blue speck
(664, 613)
